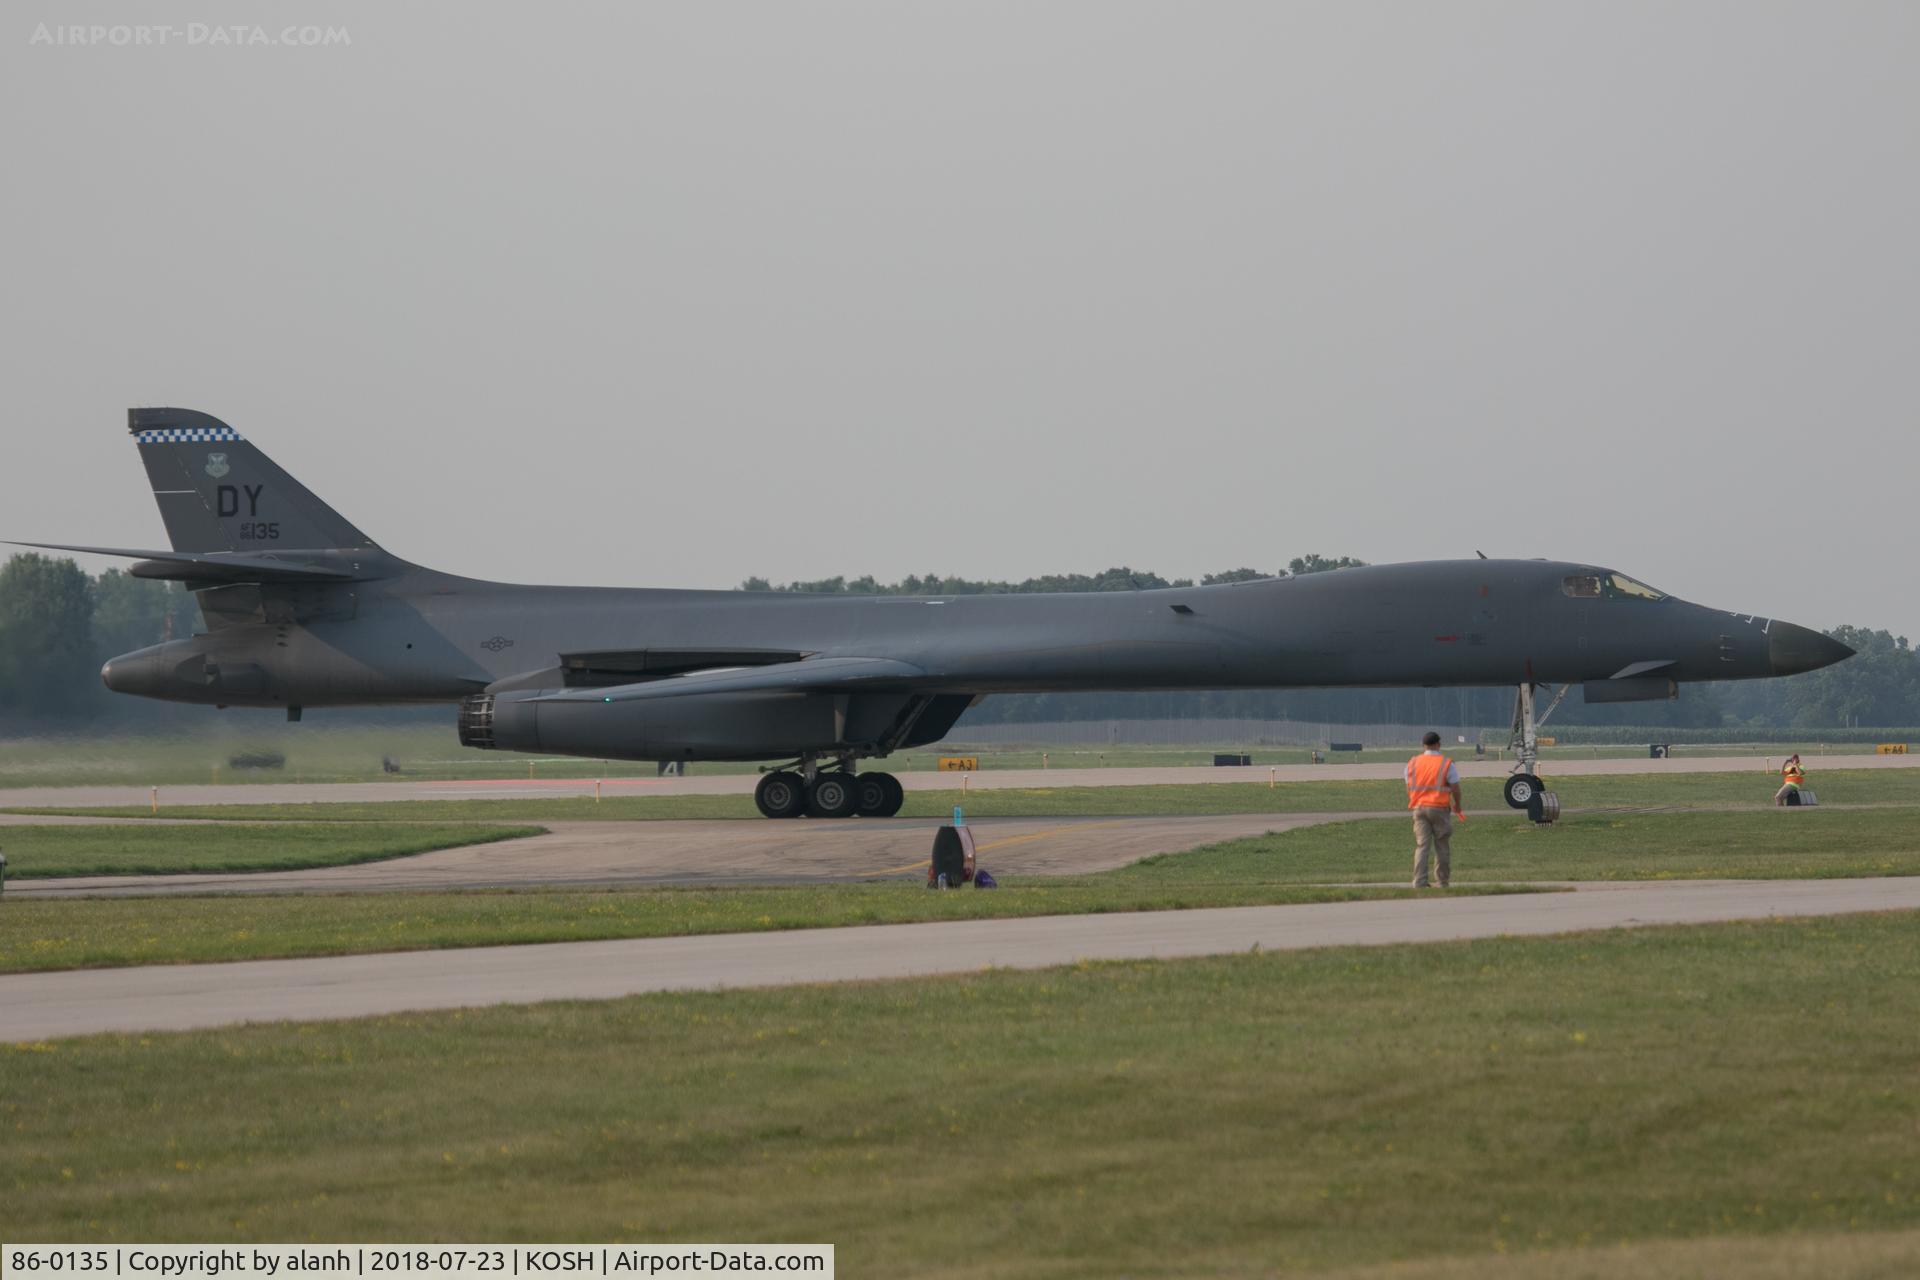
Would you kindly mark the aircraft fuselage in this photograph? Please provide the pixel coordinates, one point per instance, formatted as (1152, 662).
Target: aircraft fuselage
(428, 637)
(303, 609)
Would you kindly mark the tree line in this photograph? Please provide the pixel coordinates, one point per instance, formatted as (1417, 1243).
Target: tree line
(1122, 579)
(58, 624)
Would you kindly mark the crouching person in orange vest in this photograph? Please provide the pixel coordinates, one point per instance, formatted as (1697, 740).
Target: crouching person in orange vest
(1433, 793)
(1792, 777)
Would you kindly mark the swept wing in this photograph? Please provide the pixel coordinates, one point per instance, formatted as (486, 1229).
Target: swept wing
(810, 675)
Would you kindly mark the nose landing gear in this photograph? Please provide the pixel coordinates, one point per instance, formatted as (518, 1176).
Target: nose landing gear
(1523, 789)
(1520, 790)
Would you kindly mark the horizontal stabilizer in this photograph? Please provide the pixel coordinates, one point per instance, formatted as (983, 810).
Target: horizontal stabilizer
(814, 675)
(208, 566)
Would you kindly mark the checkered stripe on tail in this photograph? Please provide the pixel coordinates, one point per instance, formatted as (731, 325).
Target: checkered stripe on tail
(188, 435)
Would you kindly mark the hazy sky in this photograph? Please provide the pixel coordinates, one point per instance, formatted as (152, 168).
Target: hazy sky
(651, 294)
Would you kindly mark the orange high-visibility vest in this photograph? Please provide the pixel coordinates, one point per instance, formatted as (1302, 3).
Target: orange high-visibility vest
(1793, 775)
(1427, 788)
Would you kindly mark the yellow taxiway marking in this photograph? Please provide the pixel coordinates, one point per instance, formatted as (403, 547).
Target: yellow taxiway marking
(1051, 831)
(1001, 844)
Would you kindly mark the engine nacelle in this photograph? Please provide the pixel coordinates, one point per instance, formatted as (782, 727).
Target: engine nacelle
(708, 726)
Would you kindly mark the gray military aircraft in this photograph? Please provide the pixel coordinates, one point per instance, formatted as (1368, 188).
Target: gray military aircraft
(303, 609)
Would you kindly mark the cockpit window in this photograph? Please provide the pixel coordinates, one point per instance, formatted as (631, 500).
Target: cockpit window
(1610, 586)
(1619, 586)
(1582, 586)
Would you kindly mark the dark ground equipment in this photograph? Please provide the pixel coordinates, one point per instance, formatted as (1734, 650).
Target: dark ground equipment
(1544, 809)
(953, 860)
(1221, 759)
(949, 856)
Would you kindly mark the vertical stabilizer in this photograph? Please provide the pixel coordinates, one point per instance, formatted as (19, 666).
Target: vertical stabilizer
(219, 493)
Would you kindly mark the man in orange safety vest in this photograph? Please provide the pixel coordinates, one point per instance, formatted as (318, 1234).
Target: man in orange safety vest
(1793, 776)
(1433, 793)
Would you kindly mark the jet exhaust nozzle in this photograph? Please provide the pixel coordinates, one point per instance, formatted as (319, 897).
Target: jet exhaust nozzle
(476, 721)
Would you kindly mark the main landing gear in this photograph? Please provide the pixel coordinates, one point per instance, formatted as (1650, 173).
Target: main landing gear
(813, 792)
(1523, 787)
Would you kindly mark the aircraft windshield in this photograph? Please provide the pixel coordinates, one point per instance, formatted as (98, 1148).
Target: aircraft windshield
(1619, 585)
(1608, 586)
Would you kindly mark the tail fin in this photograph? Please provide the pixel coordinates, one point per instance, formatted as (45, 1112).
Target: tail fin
(219, 493)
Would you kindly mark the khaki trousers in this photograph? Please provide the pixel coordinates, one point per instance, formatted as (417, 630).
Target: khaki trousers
(1432, 839)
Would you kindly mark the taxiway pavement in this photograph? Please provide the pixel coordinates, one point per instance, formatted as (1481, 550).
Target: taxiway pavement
(580, 781)
(177, 997)
(718, 851)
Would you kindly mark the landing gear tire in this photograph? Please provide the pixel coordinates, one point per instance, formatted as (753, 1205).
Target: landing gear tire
(832, 796)
(781, 795)
(1521, 789)
(878, 795)
(896, 795)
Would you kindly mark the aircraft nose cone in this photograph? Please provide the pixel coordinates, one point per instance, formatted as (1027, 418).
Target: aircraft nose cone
(106, 674)
(1791, 649)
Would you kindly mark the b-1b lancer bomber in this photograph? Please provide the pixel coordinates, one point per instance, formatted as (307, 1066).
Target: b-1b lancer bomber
(302, 609)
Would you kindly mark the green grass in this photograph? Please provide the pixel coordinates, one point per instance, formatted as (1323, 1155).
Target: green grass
(1294, 866)
(1771, 845)
(75, 933)
(1240, 1115)
(126, 849)
(1854, 786)
(1854, 1255)
(314, 752)
(350, 752)
(354, 753)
